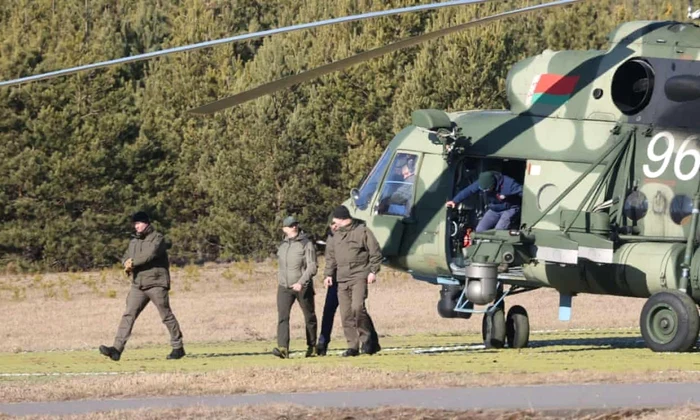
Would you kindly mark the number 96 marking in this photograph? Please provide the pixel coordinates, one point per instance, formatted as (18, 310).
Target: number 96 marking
(687, 150)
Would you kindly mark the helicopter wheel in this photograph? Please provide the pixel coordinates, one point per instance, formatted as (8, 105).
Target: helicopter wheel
(517, 327)
(670, 322)
(493, 329)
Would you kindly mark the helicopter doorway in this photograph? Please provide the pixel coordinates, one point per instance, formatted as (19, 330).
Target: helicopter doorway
(464, 218)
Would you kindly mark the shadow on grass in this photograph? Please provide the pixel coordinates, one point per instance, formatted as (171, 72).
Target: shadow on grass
(591, 343)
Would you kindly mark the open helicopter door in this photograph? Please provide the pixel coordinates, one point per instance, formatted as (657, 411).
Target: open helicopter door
(394, 205)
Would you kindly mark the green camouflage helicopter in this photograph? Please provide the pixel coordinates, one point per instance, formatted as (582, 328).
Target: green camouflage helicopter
(605, 145)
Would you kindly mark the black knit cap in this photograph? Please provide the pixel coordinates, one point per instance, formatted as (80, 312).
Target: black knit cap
(341, 212)
(140, 216)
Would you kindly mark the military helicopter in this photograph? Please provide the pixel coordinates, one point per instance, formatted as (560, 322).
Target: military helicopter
(606, 148)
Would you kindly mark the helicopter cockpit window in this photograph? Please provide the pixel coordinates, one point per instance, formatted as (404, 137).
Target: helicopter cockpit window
(396, 198)
(371, 182)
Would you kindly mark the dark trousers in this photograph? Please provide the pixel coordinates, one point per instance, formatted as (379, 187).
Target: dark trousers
(285, 300)
(136, 301)
(500, 220)
(357, 324)
(329, 309)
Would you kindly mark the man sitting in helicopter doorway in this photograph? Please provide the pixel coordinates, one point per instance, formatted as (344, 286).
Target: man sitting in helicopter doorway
(503, 195)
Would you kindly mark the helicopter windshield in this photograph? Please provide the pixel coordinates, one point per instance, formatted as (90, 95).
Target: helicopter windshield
(371, 182)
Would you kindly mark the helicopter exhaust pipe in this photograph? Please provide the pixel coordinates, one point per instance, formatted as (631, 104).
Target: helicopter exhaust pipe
(482, 282)
(683, 88)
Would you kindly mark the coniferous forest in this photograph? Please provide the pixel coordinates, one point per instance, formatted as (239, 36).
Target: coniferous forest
(79, 154)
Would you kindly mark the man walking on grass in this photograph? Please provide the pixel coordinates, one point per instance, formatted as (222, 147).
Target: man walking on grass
(353, 259)
(146, 262)
(296, 256)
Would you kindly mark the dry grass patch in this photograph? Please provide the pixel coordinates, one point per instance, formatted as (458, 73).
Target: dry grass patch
(218, 303)
(299, 379)
(293, 412)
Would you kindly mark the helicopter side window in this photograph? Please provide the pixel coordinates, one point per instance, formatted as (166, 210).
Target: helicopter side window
(371, 182)
(396, 198)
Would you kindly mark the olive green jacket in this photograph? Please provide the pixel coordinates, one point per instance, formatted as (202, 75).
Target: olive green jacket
(297, 261)
(149, 254)
(352, 253)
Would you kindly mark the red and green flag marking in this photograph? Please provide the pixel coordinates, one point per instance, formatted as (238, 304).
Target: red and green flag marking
(552, 89)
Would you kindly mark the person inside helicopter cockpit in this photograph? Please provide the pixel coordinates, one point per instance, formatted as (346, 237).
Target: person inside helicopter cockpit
(397, 196)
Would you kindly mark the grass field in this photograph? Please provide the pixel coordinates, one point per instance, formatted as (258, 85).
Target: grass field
(237, 303)
(49, 342)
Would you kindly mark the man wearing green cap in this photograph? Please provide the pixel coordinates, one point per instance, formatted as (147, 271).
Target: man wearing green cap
(503, 195)
(296, 256)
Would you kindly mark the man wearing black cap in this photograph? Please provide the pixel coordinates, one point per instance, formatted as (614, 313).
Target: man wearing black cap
(353, 256)
(503, 195)
(146, 261)
(296, 257)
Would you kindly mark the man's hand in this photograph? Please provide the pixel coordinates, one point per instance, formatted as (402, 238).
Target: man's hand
(450, 204)
(371, 278)
(128, 266)
(328, 281)
(296, 287)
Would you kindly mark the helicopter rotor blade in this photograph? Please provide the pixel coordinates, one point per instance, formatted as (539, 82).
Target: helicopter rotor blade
(239, 38)
(279, 84)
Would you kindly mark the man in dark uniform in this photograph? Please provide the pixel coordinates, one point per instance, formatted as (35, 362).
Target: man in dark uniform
(329, 308)
(503, 195)
(353, 257)
(297, 266)
(146, 261)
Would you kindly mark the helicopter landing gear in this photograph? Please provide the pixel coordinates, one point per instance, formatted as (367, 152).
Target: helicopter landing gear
(670, 322)
(497, 330)
(493, 328)
(517, 327)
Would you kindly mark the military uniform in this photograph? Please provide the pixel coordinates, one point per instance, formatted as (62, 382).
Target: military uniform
(352, 253)
(297, 265)
(330, 306)
(150, 282)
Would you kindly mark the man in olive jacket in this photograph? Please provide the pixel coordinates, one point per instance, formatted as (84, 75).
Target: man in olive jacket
(146, 261)
(296, 256)
(353, 256)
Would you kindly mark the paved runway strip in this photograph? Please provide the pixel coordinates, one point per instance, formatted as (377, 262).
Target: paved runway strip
(567, 397)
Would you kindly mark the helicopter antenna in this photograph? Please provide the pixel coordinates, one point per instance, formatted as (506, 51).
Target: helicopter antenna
(238, 38)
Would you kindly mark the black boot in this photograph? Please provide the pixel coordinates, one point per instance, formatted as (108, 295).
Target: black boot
(350, 353)
(111, 352)
(281, 352)
(371, 347)
(176, 354)
(311, 351)
(321, 349)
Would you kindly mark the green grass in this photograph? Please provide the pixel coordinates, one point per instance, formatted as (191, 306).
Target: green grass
(599, 351)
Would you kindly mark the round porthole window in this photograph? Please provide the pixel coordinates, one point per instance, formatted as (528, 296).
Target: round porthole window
(681, 209)
(546, 196)
(636, 206)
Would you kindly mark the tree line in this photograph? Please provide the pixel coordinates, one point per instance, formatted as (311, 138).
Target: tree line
(78, 154)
